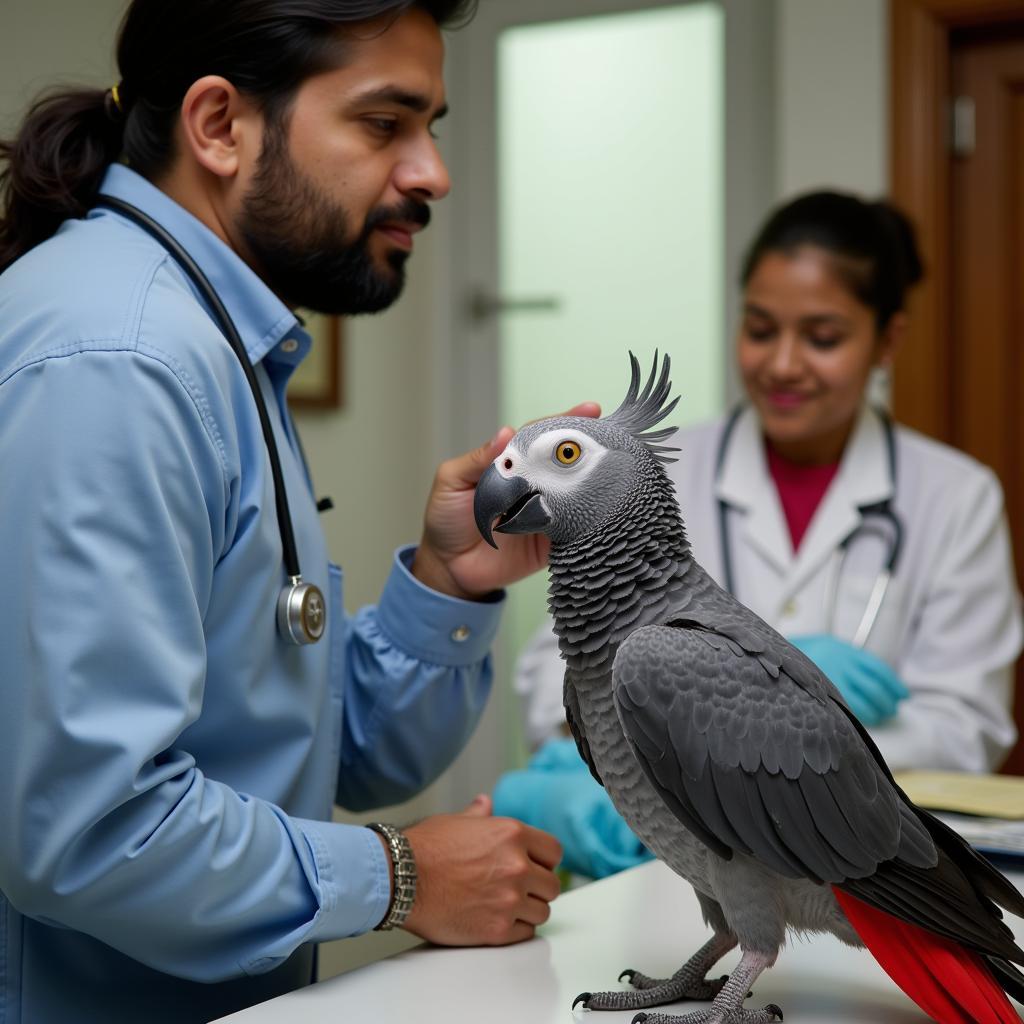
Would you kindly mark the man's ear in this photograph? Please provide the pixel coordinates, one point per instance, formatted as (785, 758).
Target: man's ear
(220, 127)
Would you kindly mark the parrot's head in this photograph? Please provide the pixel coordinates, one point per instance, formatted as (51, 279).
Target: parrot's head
(569, 476)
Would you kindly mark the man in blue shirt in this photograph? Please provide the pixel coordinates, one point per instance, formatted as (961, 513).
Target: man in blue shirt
(169, 761)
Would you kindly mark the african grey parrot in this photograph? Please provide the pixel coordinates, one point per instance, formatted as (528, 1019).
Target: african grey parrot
(726, 750)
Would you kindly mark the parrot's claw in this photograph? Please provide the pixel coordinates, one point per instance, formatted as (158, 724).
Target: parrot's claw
(583, 998)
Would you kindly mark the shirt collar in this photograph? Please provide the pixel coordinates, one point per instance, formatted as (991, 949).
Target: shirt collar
(865, 469)
(261, 318)
(864, 473)
(742, 478)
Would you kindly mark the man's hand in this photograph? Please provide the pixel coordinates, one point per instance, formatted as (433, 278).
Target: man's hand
(482, 881)
(452, 557)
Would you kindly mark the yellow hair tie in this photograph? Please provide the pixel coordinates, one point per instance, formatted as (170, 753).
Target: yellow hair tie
(116, 94)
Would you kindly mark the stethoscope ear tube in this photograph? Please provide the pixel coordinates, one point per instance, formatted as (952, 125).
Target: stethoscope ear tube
(867, 622)
(723, 508)
(883, 509)
(303, 618)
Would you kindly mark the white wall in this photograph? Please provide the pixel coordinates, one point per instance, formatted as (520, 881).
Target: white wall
(832, 86)
(48, 41)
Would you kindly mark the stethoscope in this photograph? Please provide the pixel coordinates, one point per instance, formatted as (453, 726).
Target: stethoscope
(301, 610)
(873, 517)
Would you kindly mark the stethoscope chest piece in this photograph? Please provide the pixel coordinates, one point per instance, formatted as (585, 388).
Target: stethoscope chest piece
(301, 612)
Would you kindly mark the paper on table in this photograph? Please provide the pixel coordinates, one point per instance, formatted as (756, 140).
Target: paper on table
(990, 796)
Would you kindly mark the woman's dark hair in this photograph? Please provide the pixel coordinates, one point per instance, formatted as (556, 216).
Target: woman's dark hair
(52, 169)
(873, 245)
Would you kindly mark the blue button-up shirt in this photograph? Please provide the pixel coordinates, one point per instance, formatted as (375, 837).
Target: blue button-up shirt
(168, 762)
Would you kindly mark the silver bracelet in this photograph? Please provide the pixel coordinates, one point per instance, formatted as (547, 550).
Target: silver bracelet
(403, 865)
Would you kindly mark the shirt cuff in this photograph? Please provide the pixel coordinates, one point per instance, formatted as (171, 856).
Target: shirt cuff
(435, 627)
(354, 878)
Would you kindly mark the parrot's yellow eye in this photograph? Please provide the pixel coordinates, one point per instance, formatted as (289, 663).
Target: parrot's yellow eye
(568, 452)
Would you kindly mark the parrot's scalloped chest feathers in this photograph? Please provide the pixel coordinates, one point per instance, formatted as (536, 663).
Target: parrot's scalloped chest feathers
(629, 580)
(599, 593)
(623, 577)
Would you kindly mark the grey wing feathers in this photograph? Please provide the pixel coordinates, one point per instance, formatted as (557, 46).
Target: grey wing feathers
(782, 771)
(725, 732)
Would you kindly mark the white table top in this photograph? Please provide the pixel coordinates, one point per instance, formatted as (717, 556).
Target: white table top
(646, 918)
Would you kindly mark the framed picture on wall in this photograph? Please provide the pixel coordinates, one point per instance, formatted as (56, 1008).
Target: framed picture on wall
(317, 383)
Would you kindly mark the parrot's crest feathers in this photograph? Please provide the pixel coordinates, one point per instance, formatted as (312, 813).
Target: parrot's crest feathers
(640, 411)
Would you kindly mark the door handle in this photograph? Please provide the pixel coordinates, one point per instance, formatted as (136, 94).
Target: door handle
(483, 306)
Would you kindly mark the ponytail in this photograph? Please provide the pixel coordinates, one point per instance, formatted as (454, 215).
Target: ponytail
(54, 166)
(900, 243)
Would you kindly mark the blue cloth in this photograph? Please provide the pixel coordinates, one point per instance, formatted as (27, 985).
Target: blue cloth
(870, 687)
(168, 762)
(557, 793)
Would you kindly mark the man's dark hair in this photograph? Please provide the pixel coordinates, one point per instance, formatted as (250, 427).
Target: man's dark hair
(52, 169)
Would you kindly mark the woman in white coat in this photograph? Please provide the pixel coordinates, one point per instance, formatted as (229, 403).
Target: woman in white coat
(798, 501)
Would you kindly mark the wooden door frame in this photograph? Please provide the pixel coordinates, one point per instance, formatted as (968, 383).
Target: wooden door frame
(920, 183)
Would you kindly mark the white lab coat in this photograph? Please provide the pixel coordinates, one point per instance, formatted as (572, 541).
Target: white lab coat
(950, 624)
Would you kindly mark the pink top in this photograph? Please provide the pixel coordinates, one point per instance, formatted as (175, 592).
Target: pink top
(801, 489)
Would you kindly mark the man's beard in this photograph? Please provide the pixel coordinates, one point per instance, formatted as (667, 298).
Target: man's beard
(296, 237)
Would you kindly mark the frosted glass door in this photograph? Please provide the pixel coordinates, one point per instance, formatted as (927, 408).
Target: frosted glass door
(610, 200)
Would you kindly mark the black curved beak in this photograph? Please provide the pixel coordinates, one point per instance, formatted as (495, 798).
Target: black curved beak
(517, 508)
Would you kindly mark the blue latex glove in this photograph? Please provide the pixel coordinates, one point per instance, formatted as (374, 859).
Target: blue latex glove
(868, 685)
(556, 793)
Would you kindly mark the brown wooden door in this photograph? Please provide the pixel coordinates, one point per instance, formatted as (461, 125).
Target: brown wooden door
(986, 354)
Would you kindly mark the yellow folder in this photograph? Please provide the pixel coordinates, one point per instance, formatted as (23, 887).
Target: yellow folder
(991, 796)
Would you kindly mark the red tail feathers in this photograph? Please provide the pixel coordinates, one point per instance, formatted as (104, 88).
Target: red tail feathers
(951, 984)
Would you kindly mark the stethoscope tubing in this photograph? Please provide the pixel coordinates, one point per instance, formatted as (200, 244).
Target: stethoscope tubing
(882, 509)
(867, 621)
(294, 606)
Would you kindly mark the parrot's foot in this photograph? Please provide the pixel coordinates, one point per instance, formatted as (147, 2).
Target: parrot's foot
(767, 1015)
(658, 993)
(689, 984)
(689, 980)
(727, 1007)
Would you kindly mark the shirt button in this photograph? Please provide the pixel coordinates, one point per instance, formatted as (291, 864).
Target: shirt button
(289, 345)
(789, 609)
(460, 634)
